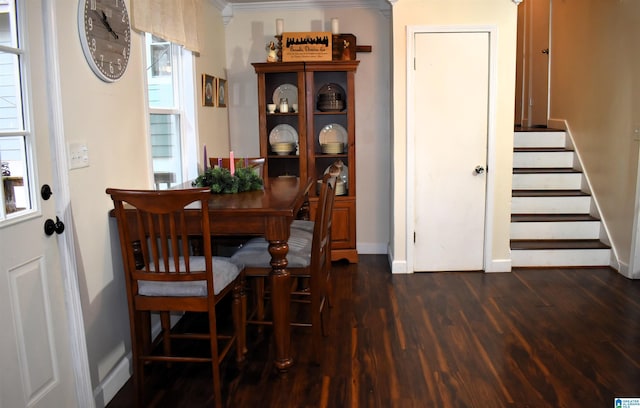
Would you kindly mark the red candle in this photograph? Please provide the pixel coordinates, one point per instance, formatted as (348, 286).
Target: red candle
(232, 164)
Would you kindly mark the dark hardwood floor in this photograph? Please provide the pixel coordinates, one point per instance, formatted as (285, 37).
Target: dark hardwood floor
(530, 338)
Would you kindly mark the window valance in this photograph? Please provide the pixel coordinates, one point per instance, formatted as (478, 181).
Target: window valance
(171, 20)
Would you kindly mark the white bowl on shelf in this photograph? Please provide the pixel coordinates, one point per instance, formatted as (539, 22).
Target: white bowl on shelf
(332, 147)
(283, 148)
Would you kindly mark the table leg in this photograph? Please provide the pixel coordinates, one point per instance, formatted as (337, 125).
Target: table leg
(280, 287)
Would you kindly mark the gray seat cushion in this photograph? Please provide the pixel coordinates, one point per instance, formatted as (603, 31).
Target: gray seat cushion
(255, 253)
(304, 225)
(224, 272)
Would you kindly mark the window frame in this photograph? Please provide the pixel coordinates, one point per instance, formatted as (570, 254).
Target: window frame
(184, 95)
(22, 77)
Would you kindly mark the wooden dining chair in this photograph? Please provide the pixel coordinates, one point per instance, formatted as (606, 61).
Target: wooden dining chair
(163, 276)
(309, 257)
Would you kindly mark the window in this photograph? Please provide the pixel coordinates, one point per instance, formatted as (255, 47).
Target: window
(170, 95)
(15, 138)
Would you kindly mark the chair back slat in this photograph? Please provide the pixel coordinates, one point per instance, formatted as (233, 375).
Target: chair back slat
(184, 240)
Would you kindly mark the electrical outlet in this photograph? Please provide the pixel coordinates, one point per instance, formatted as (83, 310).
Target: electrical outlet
(78, 155)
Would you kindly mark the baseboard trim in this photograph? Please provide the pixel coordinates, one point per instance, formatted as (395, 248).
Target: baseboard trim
(118, 377)
(498, 266)
(113, 382)
(396, 266)
(557, 124)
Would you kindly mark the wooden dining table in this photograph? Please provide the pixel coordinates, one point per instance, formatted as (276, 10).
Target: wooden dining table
(269, 213)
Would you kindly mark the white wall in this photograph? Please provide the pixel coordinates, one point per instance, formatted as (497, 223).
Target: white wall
(248, 32)
(503, 15)
(93, 114)
(595, 89)
(111, 119)
(213, 123)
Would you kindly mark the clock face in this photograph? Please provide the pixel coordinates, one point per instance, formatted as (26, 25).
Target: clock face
(105, 35)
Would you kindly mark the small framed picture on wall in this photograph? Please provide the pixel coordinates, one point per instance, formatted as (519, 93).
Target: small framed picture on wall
(208, 90)
(221, 93)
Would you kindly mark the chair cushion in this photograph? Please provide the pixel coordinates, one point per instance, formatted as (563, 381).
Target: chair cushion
(255, 253)
(224, 272)
(304, 225)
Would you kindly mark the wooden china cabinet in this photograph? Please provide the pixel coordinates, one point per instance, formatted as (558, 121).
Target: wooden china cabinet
(325, 117)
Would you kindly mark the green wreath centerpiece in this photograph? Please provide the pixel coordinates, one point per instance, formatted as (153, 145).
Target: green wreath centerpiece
(221, 181)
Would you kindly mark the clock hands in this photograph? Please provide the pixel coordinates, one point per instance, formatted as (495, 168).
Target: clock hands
(106, 24)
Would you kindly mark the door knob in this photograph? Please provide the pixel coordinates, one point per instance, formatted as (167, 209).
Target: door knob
(545, 51)
(51, 226)
(479, 170)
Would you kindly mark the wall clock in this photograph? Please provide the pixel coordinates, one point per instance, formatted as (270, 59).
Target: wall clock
(105, 35)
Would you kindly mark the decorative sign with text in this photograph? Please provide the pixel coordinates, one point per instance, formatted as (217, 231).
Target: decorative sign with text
(307, 46)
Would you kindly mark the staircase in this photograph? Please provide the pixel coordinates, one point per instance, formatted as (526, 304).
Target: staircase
(552, 220)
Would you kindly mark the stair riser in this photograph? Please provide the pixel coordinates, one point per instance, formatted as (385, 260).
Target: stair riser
(560, 257)
(555, 230)
(542, 159)
(550, 205)
(541, 181)
(539, 139)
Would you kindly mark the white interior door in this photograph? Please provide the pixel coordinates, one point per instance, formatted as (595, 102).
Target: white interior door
(35, 343)
(451, 113)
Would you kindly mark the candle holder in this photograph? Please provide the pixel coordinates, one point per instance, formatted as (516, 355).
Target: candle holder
(279, 47)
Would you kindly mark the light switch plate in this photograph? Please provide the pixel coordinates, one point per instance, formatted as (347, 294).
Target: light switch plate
(78, 154)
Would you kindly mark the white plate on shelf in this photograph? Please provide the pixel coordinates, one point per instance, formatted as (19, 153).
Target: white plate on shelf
(333, 132)
(288, 91)
(283, 133)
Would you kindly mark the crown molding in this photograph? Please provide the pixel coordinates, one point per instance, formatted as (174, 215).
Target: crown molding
(219, 4)
(299, 4)
(227, 8)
